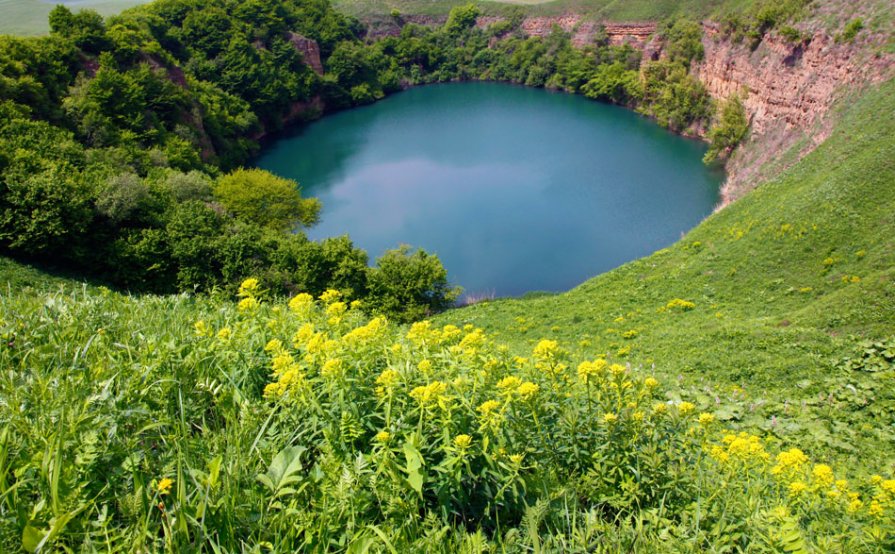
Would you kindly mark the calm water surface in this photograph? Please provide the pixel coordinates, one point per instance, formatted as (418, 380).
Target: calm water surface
(516, 189)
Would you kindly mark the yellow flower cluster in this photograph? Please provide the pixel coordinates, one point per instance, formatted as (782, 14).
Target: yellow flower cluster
(248, 288)
(789, 462)
(587, 371)
(373, 330)
(680, 305)
(301, 303)
(527, 390)
(463, 442)
(422, 332)
(742, 448)
(429, 394)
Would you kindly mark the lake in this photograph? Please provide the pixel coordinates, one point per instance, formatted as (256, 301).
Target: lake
(515, 189)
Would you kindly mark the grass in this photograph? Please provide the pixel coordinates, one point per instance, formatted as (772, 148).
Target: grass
(188, 424)
(611, 10)
(786, 282)
(29, 17)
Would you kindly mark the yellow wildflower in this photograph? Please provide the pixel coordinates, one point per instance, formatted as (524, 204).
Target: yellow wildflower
(449, 332)
(383, 436)
(685, 408)
(336, 309)
(586, 370)
(609, 418)
(332, 368)
(301, 303)
(473, 341)
(388, 378)
(546, 350)
(330, 295)
(248, 288)
(650, 382)
(273, 345)
(462, 441)
(488, 406)
(617, 369)
(271, 390)
(425, 366)
(680, 304)
(203, 329)
(797, 487)
(823, 475)
(876, 509)
(660, 408)
(429, 394)
(519, 361)
(366, 333)
(527, 390)
(706, 418)
(789, 461)
(508, 384)
(889, 486)
(224, 333)
(247, 304)
(516, 459)
(854, 505)
(164, 486)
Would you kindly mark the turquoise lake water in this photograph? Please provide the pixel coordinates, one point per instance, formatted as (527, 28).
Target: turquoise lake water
(516, 189)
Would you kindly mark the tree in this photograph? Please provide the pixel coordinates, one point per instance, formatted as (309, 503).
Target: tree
(461, 18)
(409, 285)
(266, 200)
(85, 28)
(729, 129)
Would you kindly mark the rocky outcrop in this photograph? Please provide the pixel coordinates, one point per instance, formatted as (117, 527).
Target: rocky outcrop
(787, 89)
(309, 50)
(584, 32)
(637, 35)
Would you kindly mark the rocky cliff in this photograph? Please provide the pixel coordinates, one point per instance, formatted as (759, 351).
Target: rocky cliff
(309, 49)
(788, 90)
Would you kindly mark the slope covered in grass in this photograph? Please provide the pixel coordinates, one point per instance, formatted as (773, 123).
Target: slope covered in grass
(785, 284)
(195, 424)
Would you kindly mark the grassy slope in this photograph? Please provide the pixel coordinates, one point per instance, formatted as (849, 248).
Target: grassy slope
(770, 315)
(621, 10)
(29, 17)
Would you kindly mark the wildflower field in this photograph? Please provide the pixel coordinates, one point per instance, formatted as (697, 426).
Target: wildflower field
(187, 424)
(731, 393)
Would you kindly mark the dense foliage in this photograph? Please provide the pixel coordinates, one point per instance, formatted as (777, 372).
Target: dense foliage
(308, 427)
(116, 134)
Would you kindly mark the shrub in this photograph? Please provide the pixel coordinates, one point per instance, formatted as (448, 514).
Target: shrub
(266, 200)
(409, 285)
(729, 128)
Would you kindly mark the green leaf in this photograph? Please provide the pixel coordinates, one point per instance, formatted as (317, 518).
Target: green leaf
(283, 469)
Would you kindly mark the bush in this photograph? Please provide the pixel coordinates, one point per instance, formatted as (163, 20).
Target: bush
(266, 200)
(409, 285)
(729, 128)
(851, 30)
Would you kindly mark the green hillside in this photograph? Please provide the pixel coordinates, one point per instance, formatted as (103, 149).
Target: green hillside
(267, 427)
(731, 393)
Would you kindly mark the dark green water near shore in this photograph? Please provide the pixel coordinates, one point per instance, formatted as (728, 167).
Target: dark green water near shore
(516, 189)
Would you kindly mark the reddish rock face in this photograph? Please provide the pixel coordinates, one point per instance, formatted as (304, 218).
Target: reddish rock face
(787, 89)
(583, 31)
(309, 49)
